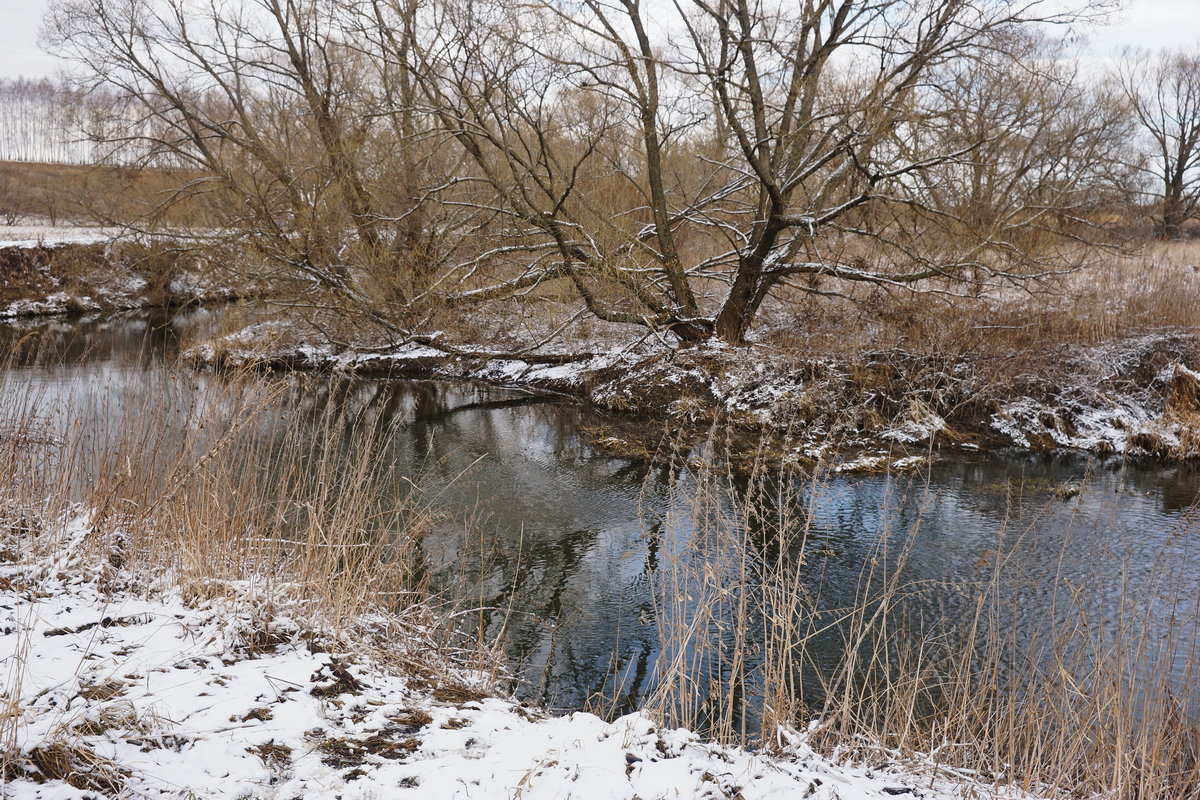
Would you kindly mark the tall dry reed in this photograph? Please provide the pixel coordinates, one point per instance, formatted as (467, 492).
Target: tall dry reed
(277, 490)
(1064, 682)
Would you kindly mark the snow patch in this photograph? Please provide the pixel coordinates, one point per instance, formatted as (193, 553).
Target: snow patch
(921, 425)
(56, 303)
(25, 236)
(1112, 427)
(166, 700)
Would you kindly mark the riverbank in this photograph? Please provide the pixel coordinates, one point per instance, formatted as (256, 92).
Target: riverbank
(48, 271)
(124, 681)
(887, 409)
(1122, 379)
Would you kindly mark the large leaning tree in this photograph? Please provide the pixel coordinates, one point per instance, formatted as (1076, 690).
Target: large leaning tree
(679, 162)
(671, 164)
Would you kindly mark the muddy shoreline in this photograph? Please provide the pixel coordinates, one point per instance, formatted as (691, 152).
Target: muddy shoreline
(1136, 397)
(97, 277)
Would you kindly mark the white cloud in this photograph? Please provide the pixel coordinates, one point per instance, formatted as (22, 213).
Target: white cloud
(1151, 24)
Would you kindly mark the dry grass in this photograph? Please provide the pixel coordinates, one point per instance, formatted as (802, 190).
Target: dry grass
(1117, 295)
(66, 193)
(277, 492)
(275, 497)
(1098, 696)
(69, 761)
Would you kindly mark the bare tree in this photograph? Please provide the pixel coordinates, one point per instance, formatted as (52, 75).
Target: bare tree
(1047, 149)
(673, 166)
(36, 122)
(268, 109)
(11, 211)
(785, 143)
(1164, 91)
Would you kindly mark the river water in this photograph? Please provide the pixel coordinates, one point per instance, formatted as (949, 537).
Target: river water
(588, 565)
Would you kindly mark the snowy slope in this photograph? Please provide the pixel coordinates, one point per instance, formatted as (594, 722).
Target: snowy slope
(114, 690)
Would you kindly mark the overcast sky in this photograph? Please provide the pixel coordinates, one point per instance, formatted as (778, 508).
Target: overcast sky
(1146, 23)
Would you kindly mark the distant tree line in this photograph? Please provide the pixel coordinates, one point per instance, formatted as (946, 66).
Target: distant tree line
(38, 122)
(669, 168)
(51, 121)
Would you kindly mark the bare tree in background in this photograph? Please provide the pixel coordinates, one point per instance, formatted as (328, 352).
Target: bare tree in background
(1164, 91)
(1047, 149)
(11, 211)
(36, 119)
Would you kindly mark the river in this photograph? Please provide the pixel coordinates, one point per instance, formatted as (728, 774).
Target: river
(587, 565)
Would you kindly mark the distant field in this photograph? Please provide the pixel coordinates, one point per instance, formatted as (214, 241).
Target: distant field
(26, 235)
(53, 194)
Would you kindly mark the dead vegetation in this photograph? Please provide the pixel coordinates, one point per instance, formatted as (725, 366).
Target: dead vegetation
(1095, 697)
(69, 278)
(74, 764)
(58, 194)
(311, 549)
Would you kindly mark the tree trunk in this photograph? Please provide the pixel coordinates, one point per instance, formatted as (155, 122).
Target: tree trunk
(734, 318)
(1174, 212)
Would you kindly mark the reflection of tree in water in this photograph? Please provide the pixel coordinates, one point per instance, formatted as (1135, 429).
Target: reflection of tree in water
(566, 543)
(520, 461)
(936, 532)
(1180, 488)
(143, 339)
(570, 619)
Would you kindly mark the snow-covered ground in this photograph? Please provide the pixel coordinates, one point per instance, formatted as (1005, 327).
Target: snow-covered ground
(117, 686)
(52, 235)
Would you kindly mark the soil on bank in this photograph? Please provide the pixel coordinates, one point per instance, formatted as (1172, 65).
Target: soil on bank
(84, 277)
(884, 409)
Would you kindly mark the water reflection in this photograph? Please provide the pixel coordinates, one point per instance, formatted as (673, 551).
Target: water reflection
(566, 545)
